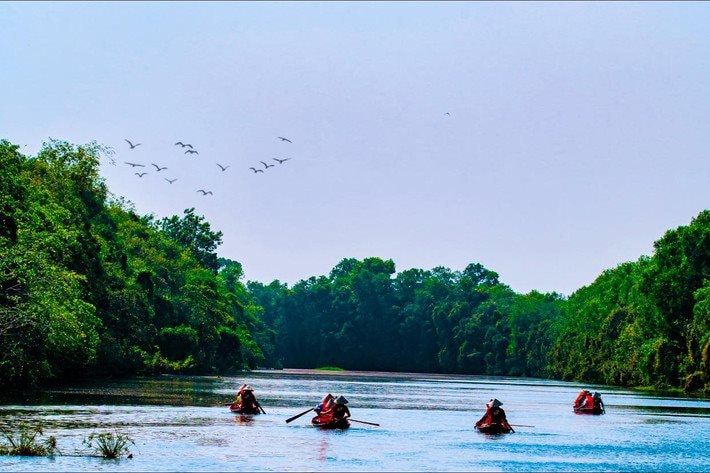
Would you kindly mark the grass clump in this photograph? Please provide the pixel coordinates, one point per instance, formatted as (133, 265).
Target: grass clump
(110, 445)
(25, 442)
(330, 368)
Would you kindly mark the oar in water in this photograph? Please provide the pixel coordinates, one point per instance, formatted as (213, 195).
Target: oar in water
(521, 425)
(260, 408)
(363, 422)
(299, 415)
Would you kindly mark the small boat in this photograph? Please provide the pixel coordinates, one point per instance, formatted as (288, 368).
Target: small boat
(327, 422)
(494, 429)
(238, 409)
(596, 410)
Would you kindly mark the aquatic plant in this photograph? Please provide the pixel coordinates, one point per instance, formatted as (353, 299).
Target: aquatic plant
(110, 445)
(25, 442)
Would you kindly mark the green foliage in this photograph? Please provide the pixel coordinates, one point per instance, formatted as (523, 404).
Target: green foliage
(363, 317)
(24, 442)
(641, 323)
(194, 234)
(89, 287)
(109, 445)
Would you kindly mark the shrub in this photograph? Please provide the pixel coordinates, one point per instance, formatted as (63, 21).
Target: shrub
(110, 445)
(25, 442)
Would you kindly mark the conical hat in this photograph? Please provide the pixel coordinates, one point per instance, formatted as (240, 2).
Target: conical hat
(247, 388)
(341, 400)
(494, 403)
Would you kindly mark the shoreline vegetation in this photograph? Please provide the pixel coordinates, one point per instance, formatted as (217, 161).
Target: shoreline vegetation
(89, 288)
(26, 440)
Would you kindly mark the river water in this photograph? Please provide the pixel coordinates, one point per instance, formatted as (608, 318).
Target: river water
(179, 423)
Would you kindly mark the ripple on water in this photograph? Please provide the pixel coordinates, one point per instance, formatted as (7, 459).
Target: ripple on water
(180, 423)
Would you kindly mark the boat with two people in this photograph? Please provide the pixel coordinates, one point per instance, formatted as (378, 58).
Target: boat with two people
(332, 413)
(588, 403)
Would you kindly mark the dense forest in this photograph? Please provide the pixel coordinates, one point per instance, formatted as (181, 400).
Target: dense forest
(90, 288)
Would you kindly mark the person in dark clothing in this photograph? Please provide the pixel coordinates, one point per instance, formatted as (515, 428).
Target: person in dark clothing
(598, 403)
(340, 410)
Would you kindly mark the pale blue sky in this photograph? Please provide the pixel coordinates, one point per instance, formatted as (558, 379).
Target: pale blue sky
(578, 131)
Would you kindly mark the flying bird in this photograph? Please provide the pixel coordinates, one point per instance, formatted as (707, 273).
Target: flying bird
(447, 113)
(140, 174)
(191, 151)
(256, 170)
(170, 180)
(132, 145)
(223, 168)
(183, 144)
(284, 139)
(158, 168)
(281, 161)
(267, 166)
(135, 164)
(204, 192)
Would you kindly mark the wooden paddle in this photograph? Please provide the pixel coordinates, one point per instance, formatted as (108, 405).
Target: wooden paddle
(260, 408)
(363, 422)
(299, 415)
(521, 425)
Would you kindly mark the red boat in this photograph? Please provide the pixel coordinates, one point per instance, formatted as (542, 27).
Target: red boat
(596, 410)
(238, 409)
(327, 422)
(494, 429)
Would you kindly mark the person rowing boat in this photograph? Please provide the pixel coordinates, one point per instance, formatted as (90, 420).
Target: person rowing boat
(494, 420)
(245, 402)
(332, 413)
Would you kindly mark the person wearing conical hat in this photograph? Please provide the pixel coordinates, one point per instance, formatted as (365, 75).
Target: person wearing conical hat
(238, 395)
(494, 415)
(326, 404)
(340, 410)
(247, 400)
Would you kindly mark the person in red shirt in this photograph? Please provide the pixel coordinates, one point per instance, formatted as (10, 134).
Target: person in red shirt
(588, 402)
(581, 397)
(494, 415)
(326, 404)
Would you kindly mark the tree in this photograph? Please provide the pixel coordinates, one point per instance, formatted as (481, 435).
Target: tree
(196, 235)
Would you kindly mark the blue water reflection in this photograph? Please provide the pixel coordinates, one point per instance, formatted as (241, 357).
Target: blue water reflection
(180, 423)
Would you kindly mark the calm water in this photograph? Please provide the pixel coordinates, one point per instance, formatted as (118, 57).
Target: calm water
(180, 424)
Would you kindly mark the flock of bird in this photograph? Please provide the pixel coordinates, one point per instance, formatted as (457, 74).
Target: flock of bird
(192, 151)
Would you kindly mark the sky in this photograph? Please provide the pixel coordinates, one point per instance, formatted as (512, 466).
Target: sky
(548, 141)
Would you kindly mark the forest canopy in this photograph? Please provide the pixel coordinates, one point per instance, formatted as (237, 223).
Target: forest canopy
(90, 288)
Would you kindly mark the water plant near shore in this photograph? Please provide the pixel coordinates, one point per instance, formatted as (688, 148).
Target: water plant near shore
(110, 445)
(25, 442)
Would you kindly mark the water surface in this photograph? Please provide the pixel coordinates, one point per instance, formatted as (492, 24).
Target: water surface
(179, 423)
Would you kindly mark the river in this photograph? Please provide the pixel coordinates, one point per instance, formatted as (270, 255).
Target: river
(179, 423)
